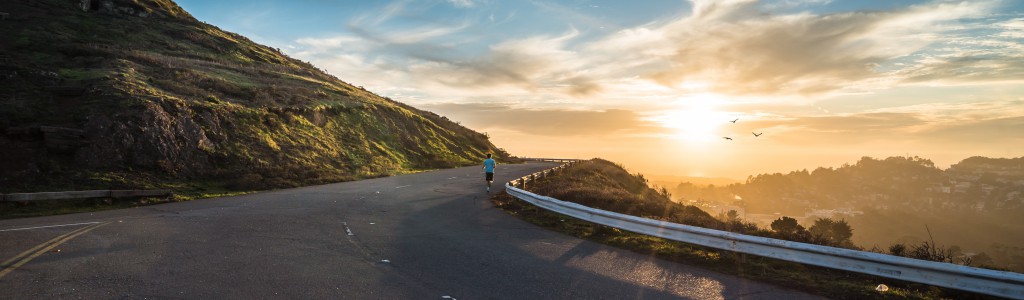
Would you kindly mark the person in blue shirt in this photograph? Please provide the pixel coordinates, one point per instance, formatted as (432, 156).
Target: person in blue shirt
(489, 171)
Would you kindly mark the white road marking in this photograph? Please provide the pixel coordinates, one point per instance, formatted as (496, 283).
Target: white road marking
(403, 186)
(39, 227)
(385, 261)
(347, 230)
(453, 177)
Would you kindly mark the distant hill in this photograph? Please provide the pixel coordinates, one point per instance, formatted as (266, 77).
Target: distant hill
(138, 93)
(912, 183)
(671, 181)
(975, 204)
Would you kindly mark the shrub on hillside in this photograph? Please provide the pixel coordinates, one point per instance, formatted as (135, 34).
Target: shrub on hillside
(604, 185)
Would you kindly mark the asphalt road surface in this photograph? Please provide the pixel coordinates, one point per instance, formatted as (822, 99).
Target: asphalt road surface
(432, 235)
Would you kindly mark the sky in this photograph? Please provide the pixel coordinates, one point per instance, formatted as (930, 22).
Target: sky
(658, 85)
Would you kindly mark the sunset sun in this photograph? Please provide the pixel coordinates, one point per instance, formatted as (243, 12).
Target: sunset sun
(697, 119)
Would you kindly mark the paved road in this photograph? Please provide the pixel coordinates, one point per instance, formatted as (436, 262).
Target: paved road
(420, 236)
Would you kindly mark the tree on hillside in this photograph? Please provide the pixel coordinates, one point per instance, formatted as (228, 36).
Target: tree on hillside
(788, 229)
(834, 233)
(786, 225)
(732, 216)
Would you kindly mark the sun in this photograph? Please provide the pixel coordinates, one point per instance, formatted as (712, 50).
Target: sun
(697, 119)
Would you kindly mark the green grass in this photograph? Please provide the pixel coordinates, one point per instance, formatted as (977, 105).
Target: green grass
(177, 98)
(608, 186)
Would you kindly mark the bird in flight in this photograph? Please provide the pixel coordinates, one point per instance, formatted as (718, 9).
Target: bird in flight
(757, 134)
(734, 121)
(728, 138)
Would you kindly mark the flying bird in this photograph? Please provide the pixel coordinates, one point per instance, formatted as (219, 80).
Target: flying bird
(757, 134)
(728, 138)
(734, 121)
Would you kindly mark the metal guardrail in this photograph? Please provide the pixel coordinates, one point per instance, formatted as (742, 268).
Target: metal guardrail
(83, 195)
(561, 160)
(984, 281)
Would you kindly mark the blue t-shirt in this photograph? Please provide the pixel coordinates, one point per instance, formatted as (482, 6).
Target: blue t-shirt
(489, 165)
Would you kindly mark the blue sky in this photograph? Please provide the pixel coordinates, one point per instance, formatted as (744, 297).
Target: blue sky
(637, 82)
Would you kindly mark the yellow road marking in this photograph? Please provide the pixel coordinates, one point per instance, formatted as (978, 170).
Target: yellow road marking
(28, 255)
(27, 252)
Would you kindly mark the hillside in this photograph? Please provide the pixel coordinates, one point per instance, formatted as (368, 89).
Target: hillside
(139, 94)
(973, 206)
(608, 186)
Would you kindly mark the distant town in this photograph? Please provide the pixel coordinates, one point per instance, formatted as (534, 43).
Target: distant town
(974, 206)
(906, 183)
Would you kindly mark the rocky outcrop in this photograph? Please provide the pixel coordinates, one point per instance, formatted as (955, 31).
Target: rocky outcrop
(136, 8)
(152, 137)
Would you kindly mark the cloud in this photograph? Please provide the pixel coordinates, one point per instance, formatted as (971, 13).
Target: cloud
(529, 63)
(858, 123)
(461, 3)
(739, 49)
(1000, 131)
(1014, 29)
(735, 47)
(544, 122)
(429, 57)
(790, 4)
(981, 124)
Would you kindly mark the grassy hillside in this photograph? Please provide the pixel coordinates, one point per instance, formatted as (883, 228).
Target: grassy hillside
(139, 94)
(605, 185)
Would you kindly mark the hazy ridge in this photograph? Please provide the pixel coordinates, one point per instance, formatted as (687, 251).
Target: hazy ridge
(974, 206)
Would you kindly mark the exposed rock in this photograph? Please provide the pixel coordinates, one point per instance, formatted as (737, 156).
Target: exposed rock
(153, 137)
(142, 9)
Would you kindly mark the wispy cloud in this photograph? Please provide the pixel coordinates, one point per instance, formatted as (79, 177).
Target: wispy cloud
(728, 47)
(545, 122)
(979, 123)
(461, 3)
(741, 50)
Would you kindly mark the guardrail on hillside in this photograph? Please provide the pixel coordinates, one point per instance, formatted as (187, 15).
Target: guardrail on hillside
(984, 281)
(521, 181)
(561, 160)
(17, 197)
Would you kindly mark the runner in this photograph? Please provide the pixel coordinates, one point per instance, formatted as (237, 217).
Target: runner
(489, 171)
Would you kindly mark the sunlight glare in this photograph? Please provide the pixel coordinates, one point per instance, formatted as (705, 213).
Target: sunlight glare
(697, 119)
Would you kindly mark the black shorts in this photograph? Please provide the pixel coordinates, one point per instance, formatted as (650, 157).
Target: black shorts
(489, 176)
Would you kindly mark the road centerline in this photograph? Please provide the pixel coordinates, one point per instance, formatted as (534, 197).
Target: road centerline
(29, 255)
(48, 226)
